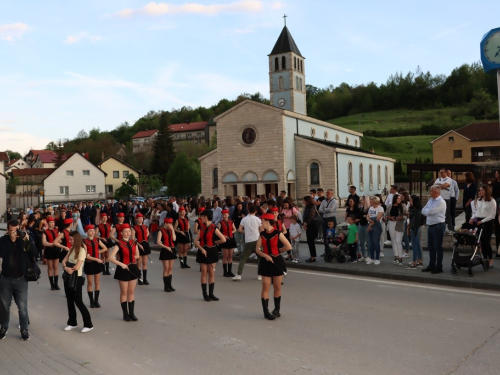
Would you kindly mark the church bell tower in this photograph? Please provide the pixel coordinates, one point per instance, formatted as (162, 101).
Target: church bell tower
(287, 80)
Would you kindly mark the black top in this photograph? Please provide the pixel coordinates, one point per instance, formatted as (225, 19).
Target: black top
(394, 211)
(14, 259)
(362, 216)
(354, 211)
(237, 217)
(353, 196)
(285, 43)
(469, 193)
(495, 189)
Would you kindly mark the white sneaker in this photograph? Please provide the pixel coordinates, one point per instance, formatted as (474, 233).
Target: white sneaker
(237, 278)
(253, 256)
(86, 329)
(297, 260)
(362, 259)
(259, 277)
(69, 328)
(377, 262)
(387, 242)
(382, 254)
(369, 261)
(405, 255)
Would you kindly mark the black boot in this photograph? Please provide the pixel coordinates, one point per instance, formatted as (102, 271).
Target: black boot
(211, 292)
(126, 317)
(230, 270)
(131, 311)
(96, 298)
(145, 277)
(186, 262)
(277, 303)
(106, 269)
(181, 261)
(166, 288)
(204, 290)
(51, 279)
(224, 267)
(91, 297)
(169, 278)
(139, 280)
(56, 281)
(267, 314)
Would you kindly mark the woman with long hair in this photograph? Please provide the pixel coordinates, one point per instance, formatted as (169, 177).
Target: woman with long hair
(182, 230)
(414, 232)
(470, 191)
(396, 215)
(166, 239)
(363, 207)
(51, 252)
(127, 271)
(93, 265)
(310, 226)
(483, 219)
(374, 217)
(271, 266)
(73, 262)
(228, 230)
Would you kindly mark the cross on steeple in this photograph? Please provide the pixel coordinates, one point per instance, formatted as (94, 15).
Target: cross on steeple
(284, 18)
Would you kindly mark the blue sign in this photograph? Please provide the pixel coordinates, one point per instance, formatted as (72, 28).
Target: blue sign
(490, 50)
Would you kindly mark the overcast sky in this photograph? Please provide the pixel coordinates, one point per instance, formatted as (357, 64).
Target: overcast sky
(72, 65)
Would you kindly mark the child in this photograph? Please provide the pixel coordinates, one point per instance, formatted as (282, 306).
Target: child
(330, 232)
(295, 231)
(352, 238)
(338, 239)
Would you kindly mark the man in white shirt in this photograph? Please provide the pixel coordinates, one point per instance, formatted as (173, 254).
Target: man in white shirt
(435, 212)
(390, 197)
(217, 212)
(250, 225)
(328, 209)
(445, 183)
(455, 193)
(174, 204)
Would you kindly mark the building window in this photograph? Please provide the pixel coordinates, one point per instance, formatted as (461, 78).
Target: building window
(215, 178)
(116, 174)
(379, 177)
(300, 82)
(349, 174)
(294, 62)
(280, 83)
(386, 176)
(86, 172)
(283, 62)
(314, 169)
(64, 190)
(136, 141)
(361, 177)
(301, 66)
(457, 153)
(90, 188)
(356, 142)
(326, 135)
(276, 64)
(125, 174)
(69, 173)
(337, 138)
(370, 175)
(296, 83)
(347, 140)
(313, 132)
(451, 139)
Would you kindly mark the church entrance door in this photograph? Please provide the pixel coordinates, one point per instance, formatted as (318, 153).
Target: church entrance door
(271, 188)
(251, 190)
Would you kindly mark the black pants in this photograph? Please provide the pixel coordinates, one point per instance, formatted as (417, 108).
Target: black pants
(353, 250)
(487, 231)
(497, 232)
(453, 206)
(468, 213)
(311, 235)
(74, 297)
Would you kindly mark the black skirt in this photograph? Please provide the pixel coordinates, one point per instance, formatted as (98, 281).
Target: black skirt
(270, 269)
(147, 249)
(127, 275)
(52, 253)
(109, 243)
(212, 255)
(62, 255)
(183, 238)
(167, 255)
(92, 267)
(229, 244)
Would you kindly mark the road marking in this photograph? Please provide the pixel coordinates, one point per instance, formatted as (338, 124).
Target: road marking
(396, 283)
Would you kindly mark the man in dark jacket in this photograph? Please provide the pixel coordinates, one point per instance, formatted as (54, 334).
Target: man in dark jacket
(15, 253)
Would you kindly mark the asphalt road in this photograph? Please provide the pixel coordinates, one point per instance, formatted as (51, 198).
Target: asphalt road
(330, 324)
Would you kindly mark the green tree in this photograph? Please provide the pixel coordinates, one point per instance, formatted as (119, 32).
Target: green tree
(163, 148)
(11, 185)
(128, 187)
(13, 154)
(152, 182)
(183, 177)
(482, 105)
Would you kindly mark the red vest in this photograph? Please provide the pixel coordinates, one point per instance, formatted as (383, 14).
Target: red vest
(65, 239)
(166, 238)
(104, 230)
(201, 225)
(141, 232)
(207, 236)
(118, 231)
(92, 247)
(126, 250)
(183, 224)
(278, 225)
(51, 235)
(270, 242)
(227, 228)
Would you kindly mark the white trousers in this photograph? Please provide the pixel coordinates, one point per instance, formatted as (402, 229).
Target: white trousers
(396, 239)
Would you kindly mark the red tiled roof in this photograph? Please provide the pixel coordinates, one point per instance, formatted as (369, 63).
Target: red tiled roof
(32, 171)
(11, 162)
(188, 127)
(4, 156)
(145, 133)
(482, 131)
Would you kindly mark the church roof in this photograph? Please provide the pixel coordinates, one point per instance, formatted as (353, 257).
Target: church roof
(285, 43)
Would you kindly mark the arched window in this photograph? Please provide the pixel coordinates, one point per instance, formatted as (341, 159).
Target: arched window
(379, 177)
(296, 83)
(215, 178)
(356, 142)
(314, 169)
(361, 177)
(370, 172)
(300, 81)
(386, 176)
(280, 83)
(301, 66)
(283, 62)
(349, 174)
(276, 64)
(337, 138)
(346, 140)
(295, 62)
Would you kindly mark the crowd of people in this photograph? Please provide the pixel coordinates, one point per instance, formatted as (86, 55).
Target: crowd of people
(82, 239)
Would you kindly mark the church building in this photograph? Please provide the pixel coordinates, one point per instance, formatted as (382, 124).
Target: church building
(264, 149)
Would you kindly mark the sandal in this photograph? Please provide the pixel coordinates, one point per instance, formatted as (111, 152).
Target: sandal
(310, 260)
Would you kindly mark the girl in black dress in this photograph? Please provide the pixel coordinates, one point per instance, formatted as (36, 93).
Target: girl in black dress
(272, 265)
(93, 265)
(228, 229)
(62, 242)
(127, 271)
(51, 252)
(182, 232)
(207, 256)
(104, 234)
(166, 239)
(140, 233)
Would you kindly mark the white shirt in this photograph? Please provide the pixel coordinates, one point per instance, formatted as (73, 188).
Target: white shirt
(251, 224)
(389, 199)
(435, 210)
(328, 208)
(485, 210)
(176, 206)
(217, 215)
(445, 192)
(455, 191)
(295, 230)
(373, 212)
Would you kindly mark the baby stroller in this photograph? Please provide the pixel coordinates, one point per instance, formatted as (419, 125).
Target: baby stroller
(466, 252)
(337, 249)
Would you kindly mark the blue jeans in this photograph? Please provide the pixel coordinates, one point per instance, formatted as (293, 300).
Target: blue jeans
(406, 240)
(435, 236)
(362, 239)
(416, 246)
(17, 288)
(374, 241)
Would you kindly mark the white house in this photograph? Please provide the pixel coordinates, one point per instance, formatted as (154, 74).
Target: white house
(76, 179)
(16, 164)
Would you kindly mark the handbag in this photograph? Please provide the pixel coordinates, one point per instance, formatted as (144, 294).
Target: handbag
(33, 272)
(318, 219)
(71, 280)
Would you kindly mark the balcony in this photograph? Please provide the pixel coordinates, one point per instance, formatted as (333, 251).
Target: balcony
(476, 159)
